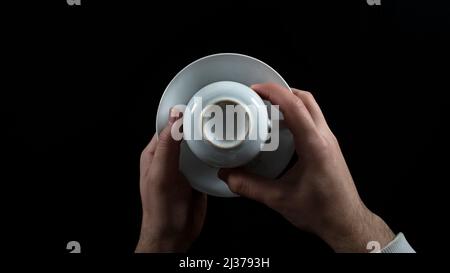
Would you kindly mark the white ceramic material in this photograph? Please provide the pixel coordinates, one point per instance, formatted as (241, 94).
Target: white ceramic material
(249, 134)
(230, 67)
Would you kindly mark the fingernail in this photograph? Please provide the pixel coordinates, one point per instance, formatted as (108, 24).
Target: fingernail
(174, 115)
(223, 174)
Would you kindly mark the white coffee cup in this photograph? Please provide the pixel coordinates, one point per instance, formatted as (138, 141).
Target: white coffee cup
(226, 124)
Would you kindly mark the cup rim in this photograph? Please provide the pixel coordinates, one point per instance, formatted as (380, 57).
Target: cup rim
(241, 95)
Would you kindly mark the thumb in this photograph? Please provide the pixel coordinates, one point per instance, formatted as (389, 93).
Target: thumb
(249, 185)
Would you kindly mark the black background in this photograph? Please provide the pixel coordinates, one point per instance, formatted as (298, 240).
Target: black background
(82, 84)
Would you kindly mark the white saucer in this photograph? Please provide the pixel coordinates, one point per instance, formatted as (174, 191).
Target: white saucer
(222, 67)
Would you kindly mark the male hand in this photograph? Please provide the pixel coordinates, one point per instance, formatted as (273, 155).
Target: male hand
(318, 194)
(173, 213)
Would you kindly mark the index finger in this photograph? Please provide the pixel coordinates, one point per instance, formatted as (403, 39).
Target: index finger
(296, 115)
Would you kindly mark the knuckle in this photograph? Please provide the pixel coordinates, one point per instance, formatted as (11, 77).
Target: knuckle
(320, 145)
(146, 154)
(163, 143)
(164, 138)
(303, 94)
(237, 184)
(323, 144)
(297, 104)
(334, 138)
(308, 94)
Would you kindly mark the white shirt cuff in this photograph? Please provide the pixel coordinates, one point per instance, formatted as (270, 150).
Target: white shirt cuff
(398, 245)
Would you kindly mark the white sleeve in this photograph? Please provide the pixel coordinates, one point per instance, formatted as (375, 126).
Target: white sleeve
(398, 245)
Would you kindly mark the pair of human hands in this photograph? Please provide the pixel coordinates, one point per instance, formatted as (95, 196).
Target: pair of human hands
(317, 194)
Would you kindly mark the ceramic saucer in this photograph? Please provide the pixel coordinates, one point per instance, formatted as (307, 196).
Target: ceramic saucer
(222, 67)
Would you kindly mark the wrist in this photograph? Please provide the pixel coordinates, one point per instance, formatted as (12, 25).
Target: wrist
(357, 233)
(146, 245)
(152, 241)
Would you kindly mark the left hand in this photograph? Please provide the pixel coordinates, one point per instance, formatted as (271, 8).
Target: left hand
(173, 212)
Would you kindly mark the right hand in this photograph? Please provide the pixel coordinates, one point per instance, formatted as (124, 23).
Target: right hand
(318, 194)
